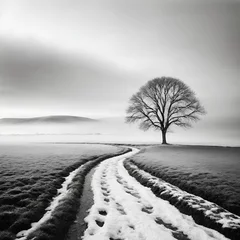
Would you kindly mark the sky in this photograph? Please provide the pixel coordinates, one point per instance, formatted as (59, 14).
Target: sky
(86, 58)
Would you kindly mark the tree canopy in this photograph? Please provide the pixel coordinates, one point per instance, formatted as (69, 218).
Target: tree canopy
(163, 102)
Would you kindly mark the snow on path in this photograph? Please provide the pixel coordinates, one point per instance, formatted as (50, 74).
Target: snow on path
(210, 210)
(125, 210)
(62, 193)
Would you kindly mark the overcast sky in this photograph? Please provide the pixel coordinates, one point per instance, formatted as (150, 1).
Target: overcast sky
(88, 57)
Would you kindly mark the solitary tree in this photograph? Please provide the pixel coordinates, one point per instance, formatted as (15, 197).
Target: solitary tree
(163, 102)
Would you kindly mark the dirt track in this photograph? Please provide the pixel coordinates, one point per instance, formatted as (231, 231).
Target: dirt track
(76, 231)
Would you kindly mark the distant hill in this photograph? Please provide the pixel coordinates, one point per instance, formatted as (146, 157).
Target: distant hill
(46, 120)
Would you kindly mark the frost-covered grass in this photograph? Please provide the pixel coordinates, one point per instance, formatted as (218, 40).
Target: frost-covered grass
(210, 172)
(30, 176)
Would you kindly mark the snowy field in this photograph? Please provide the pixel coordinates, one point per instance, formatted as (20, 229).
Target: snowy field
(41, 184)
(210, 172)
(124, 209)
(30, 176)
(203, 212)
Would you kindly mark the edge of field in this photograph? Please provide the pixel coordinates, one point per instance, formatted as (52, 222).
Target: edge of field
(65, 212)
(171, 178)
(63, 216)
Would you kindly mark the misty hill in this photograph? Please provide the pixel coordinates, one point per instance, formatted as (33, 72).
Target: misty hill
(59, 119)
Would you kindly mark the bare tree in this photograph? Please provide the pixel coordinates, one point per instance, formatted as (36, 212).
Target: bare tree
(163, 102)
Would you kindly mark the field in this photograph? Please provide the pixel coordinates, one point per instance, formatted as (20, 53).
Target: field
(30, 176)
(209, 172)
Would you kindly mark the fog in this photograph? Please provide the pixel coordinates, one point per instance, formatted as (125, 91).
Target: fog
(115, 130)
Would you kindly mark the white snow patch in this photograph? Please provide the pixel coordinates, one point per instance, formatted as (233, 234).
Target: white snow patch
(62, 192)
(211, 210)
(124, 209)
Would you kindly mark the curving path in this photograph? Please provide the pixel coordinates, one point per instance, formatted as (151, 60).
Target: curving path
(123, 209)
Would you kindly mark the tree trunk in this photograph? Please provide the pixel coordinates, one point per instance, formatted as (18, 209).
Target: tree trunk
(164, 138)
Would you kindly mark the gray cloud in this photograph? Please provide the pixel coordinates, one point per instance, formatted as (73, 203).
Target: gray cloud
(40, 80)
(29, 70)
